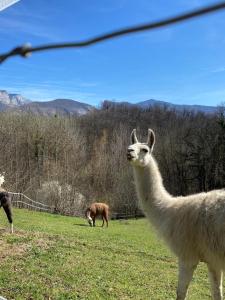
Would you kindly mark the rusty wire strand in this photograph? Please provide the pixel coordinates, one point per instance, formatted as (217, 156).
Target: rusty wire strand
(27, 49)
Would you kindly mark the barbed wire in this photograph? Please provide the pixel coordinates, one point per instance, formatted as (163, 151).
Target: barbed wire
(27, 49)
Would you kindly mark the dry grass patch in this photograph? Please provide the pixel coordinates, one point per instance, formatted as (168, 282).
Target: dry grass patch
(21, 242)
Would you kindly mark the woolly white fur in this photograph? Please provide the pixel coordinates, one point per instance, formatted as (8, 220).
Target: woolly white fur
(192, 226)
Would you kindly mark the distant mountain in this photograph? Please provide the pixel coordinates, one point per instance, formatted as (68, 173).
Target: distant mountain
(11, 100)
(57, 107)
(178, 107)
(17, 103)
(152, 102)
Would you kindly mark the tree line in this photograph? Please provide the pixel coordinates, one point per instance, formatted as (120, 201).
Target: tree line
(69, 162)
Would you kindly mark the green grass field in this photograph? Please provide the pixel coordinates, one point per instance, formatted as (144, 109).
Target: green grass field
(56, 257)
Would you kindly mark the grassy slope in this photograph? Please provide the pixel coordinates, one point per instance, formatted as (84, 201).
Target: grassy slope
(55, 257)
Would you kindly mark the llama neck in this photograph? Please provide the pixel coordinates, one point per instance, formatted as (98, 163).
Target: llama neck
(151, 193)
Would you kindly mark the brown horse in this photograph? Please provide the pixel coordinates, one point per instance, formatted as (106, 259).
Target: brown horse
(97, 209)
(5, 202)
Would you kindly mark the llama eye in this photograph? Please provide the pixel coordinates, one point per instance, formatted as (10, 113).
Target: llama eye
(144, 150)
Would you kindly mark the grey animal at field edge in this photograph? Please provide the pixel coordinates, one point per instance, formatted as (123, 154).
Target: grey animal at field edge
(5, 202)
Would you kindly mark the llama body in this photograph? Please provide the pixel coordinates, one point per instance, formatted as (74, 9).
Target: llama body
(192, 226)
(5, 202)
(200, 218)
(97, 209)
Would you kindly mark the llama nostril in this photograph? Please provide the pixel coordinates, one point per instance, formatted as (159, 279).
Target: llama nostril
(129, 155)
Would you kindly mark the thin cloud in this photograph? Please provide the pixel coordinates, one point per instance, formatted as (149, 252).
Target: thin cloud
(194, 3)
(46, 92)
(219, 70)
(109, 7)
(210, 97)
(12, 26)
(162, 36)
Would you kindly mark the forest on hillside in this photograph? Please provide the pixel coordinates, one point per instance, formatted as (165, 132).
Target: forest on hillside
(68, 162)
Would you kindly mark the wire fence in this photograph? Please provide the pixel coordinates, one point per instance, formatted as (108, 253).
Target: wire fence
(20, 200)
(36, 204)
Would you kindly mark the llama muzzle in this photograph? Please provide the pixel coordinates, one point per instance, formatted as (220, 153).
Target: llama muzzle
(129, 155)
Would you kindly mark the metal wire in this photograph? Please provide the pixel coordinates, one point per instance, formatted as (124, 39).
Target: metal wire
(27, 49)
(26, 197)
(35, 205)
(32, 206)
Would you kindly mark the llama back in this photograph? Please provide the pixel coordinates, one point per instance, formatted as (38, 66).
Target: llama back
(194, 226)
(98, 207)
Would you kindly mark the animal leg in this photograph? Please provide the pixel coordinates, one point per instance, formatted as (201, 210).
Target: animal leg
(216, 279)
(8, 211)
(103, 221)
(185, 275)
(93, 219)
(106, 219)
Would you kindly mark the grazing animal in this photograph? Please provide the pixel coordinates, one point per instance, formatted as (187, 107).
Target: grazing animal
(97, 209)
(5, 202)
(193, 226)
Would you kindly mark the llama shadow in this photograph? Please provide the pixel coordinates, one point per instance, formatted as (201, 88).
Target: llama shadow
(86, 225)
(2, 230)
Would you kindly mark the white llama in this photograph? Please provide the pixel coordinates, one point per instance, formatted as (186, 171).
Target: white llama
(192, 226)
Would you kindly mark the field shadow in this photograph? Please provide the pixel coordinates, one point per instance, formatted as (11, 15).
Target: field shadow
(86, 225)
(82, 225)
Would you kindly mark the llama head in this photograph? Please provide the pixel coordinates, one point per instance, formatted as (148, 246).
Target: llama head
(88, 216)
(90, 221)
(139, 154)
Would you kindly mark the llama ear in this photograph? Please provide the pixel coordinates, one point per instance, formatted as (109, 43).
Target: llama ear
(133, 137)
(151, 139)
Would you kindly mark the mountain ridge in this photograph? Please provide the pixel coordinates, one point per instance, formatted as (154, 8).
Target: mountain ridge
(152, 103)
(179, 107)
(61, 106)
(12, 100)
(19, 104)
(57, 106)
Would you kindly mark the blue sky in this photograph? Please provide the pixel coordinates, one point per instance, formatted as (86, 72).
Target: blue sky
(183, 64)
